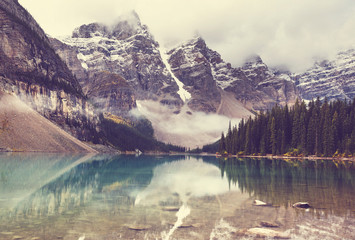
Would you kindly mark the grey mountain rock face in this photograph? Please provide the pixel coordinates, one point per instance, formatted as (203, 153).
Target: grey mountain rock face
(111, 93)
(191, 65)
(332, 79)
(205, 72)
(107, 91)
(30, 69)
(257, 86)
(69, 55)
(127, 50)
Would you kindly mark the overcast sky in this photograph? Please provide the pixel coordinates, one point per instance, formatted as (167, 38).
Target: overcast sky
(283, 32)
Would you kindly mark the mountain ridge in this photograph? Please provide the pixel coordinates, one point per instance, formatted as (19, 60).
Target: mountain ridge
(120, 69)
(333, 78)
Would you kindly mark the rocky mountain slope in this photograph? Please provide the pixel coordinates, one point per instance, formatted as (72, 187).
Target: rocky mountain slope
(23, 129)
(126, 50)
(121, 67)
(130, 52)
(35, 75)
(31, 70)
(253, 84)
(191, 65)
(329, 78)
(191, 73)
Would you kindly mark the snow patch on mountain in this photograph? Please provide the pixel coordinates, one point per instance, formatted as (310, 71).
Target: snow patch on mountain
(184, 94)
(332, 79)
(96, 50)
(129, 50)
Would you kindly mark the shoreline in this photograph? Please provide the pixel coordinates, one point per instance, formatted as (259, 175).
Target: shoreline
(157, 153)
(291, 157)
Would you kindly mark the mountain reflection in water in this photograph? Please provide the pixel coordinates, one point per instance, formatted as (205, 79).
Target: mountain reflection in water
(167, 197)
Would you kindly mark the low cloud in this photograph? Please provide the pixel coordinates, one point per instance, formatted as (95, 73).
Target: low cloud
(185, 128)
(292, 33)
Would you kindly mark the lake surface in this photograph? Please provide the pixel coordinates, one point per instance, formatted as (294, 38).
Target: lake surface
(173, 197)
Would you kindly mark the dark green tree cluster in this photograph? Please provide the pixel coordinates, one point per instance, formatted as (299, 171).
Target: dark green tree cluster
(320, 128)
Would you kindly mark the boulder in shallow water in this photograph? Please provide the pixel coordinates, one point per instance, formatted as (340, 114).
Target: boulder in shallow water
(17, 238)
(137, 227)
(263, 233)
(303, 205)
(171, 209)
(268, 224)
(260, 203)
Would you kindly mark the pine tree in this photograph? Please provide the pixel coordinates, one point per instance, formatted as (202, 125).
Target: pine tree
(352, 142)
(303, 133)
(273, 139)
(247, 147)
(335, 129)
(222, 144)
(295, 130)
(229, 139)
(283, 142)
(312, 137)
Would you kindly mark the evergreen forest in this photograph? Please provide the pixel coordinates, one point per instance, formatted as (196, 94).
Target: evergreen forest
(320, 128)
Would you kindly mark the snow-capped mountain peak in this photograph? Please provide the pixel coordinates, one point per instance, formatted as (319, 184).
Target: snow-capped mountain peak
(329, 78)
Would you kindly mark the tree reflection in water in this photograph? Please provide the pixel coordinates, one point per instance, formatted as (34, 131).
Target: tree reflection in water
(327, 185)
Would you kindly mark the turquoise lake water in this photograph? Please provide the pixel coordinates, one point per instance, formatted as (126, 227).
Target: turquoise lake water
(44, 196)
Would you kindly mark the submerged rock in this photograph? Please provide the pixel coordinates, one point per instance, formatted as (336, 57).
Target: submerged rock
(17, 238)
(184, 225)
(269, 224)
(137, 227)
(304, 205)
(263, 233)
(188, 225)
(171, 209)
(261, 203)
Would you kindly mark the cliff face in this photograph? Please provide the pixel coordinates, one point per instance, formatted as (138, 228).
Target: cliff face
(30, 69)
(111, 93)
(191, 65)
(13, 8)
(26, 54)
(69, 55)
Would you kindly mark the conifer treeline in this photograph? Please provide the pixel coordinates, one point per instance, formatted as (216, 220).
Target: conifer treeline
(322, 128)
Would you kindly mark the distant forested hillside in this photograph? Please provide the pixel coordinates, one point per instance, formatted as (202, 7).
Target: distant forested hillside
(320, 128)
(126, 136)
